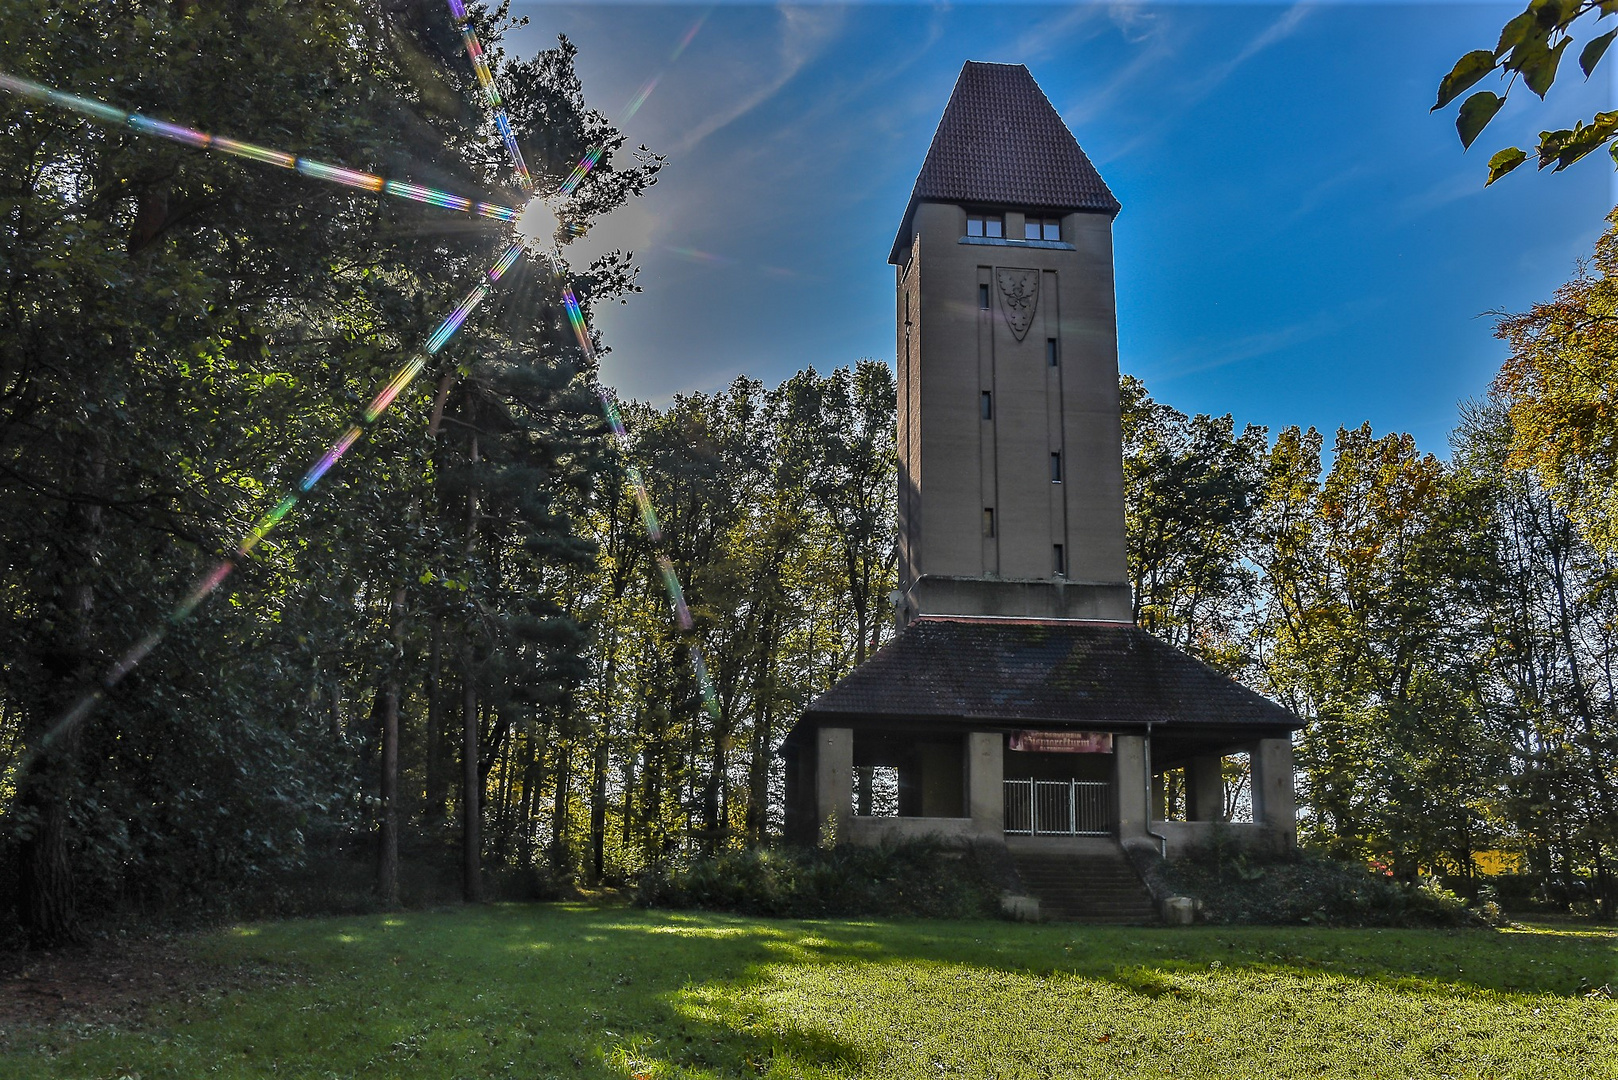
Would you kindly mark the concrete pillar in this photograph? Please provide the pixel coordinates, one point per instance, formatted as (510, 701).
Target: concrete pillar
(1275, 804)
(985, 783)
(834, 779)
(1205, 788)
(1129, 785)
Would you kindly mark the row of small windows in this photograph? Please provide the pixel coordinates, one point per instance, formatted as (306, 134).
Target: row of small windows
(993, 226)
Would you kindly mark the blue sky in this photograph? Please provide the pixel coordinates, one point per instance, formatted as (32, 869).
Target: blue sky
(1301, 242)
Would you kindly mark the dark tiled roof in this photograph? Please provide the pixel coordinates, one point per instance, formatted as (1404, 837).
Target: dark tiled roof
(1001, 143)
(1013, 672)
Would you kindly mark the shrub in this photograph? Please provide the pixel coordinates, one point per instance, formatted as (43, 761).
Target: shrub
(911, 877)
(1238, 886)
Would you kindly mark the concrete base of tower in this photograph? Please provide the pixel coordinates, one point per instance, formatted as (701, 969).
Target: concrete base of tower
(1013, 598)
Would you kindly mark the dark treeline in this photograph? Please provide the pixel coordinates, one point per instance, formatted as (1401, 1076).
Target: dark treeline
(461, 650)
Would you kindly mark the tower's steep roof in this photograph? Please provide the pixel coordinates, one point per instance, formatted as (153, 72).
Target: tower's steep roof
(1001, 142)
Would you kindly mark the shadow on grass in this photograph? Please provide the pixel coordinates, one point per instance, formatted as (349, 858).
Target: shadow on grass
(579, 989)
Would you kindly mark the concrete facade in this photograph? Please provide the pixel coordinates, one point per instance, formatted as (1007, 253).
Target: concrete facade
(984, 413)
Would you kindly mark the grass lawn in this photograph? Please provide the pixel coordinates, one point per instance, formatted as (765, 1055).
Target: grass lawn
(567, 991)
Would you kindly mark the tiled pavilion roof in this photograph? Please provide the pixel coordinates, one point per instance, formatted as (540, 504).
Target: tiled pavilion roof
(1013, 673)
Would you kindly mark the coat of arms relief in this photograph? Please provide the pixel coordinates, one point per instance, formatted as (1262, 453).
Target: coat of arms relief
(1019, 295)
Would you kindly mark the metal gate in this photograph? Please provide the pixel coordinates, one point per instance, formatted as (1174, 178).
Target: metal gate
(1059, 807)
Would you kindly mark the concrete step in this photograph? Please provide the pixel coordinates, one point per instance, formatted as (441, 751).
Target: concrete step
(1094, 887)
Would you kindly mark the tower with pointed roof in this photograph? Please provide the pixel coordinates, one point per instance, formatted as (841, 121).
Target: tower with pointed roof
(1010, 476)
(1019, 706)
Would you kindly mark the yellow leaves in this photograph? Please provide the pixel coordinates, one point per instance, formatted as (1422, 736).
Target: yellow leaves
(1560, 390)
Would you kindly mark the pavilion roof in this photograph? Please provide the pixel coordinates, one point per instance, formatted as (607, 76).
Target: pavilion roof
(1050, 674)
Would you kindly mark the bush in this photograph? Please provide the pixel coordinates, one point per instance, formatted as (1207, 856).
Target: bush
(912, 877)
(1306, 887)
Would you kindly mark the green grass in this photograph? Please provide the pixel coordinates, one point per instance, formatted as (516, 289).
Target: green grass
(565, 991)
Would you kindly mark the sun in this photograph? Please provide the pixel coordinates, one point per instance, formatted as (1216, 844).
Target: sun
(537, 225)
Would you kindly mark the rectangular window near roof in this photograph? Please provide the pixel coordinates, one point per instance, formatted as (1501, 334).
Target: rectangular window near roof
(989, 225)
(1038, 228)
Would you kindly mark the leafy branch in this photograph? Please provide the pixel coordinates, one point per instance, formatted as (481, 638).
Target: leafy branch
(1531, 47)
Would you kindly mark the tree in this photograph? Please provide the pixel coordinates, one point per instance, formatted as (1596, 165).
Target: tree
(185, 333)
(1552, 693)
(1559, 387)
(1191, 489)
(1531, 47)
(1371, 632)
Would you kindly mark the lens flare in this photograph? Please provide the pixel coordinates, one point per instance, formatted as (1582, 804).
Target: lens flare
(315, 170)
(532, 225)
(537, 223)
(265, 524)
(491, 93)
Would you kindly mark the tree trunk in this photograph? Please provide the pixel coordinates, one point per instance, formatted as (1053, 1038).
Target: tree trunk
(437, 790)
(47, 897)
(598, 812)
(471, 792)
(387, 855)
(387, 858)
(559, 815)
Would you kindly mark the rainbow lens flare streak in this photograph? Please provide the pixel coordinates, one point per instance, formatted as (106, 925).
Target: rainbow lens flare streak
(591, 159)
(316, 170)
(491, 93)
(254, 536)
(575, 315)
(112, 115)
(643, 498)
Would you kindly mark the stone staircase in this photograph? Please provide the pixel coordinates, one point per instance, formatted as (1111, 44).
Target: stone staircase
(1092, 887)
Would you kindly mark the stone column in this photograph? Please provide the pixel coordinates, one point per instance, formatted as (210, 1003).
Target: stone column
(1205, 788)
(1129, 786)
(1275, 805)
(834, 779)
(985, 783)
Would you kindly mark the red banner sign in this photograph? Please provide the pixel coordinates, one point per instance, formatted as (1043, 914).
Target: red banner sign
(1062, 742)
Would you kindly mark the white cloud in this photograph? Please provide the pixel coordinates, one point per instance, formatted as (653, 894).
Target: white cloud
(1279, 30)
(1041, 40)
(804, 34)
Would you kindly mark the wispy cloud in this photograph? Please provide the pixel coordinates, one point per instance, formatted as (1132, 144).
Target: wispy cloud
(1462, 184)
(804, 34)
(1207, 356)
(1133, 21)
(1097, 102)
(1277, 31)
(1043, 38)
(1159, 48)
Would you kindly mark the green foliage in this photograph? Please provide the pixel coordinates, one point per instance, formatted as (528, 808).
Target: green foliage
(1531, 47)
(1559, 387)
(185, 332)
(1310, 888)
(1191, 487)
(914, 877)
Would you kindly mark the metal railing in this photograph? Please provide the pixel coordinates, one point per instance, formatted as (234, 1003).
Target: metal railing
(1059, 807)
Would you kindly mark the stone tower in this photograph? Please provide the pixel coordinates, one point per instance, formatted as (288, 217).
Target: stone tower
(1010, 472)
(1020, 704)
